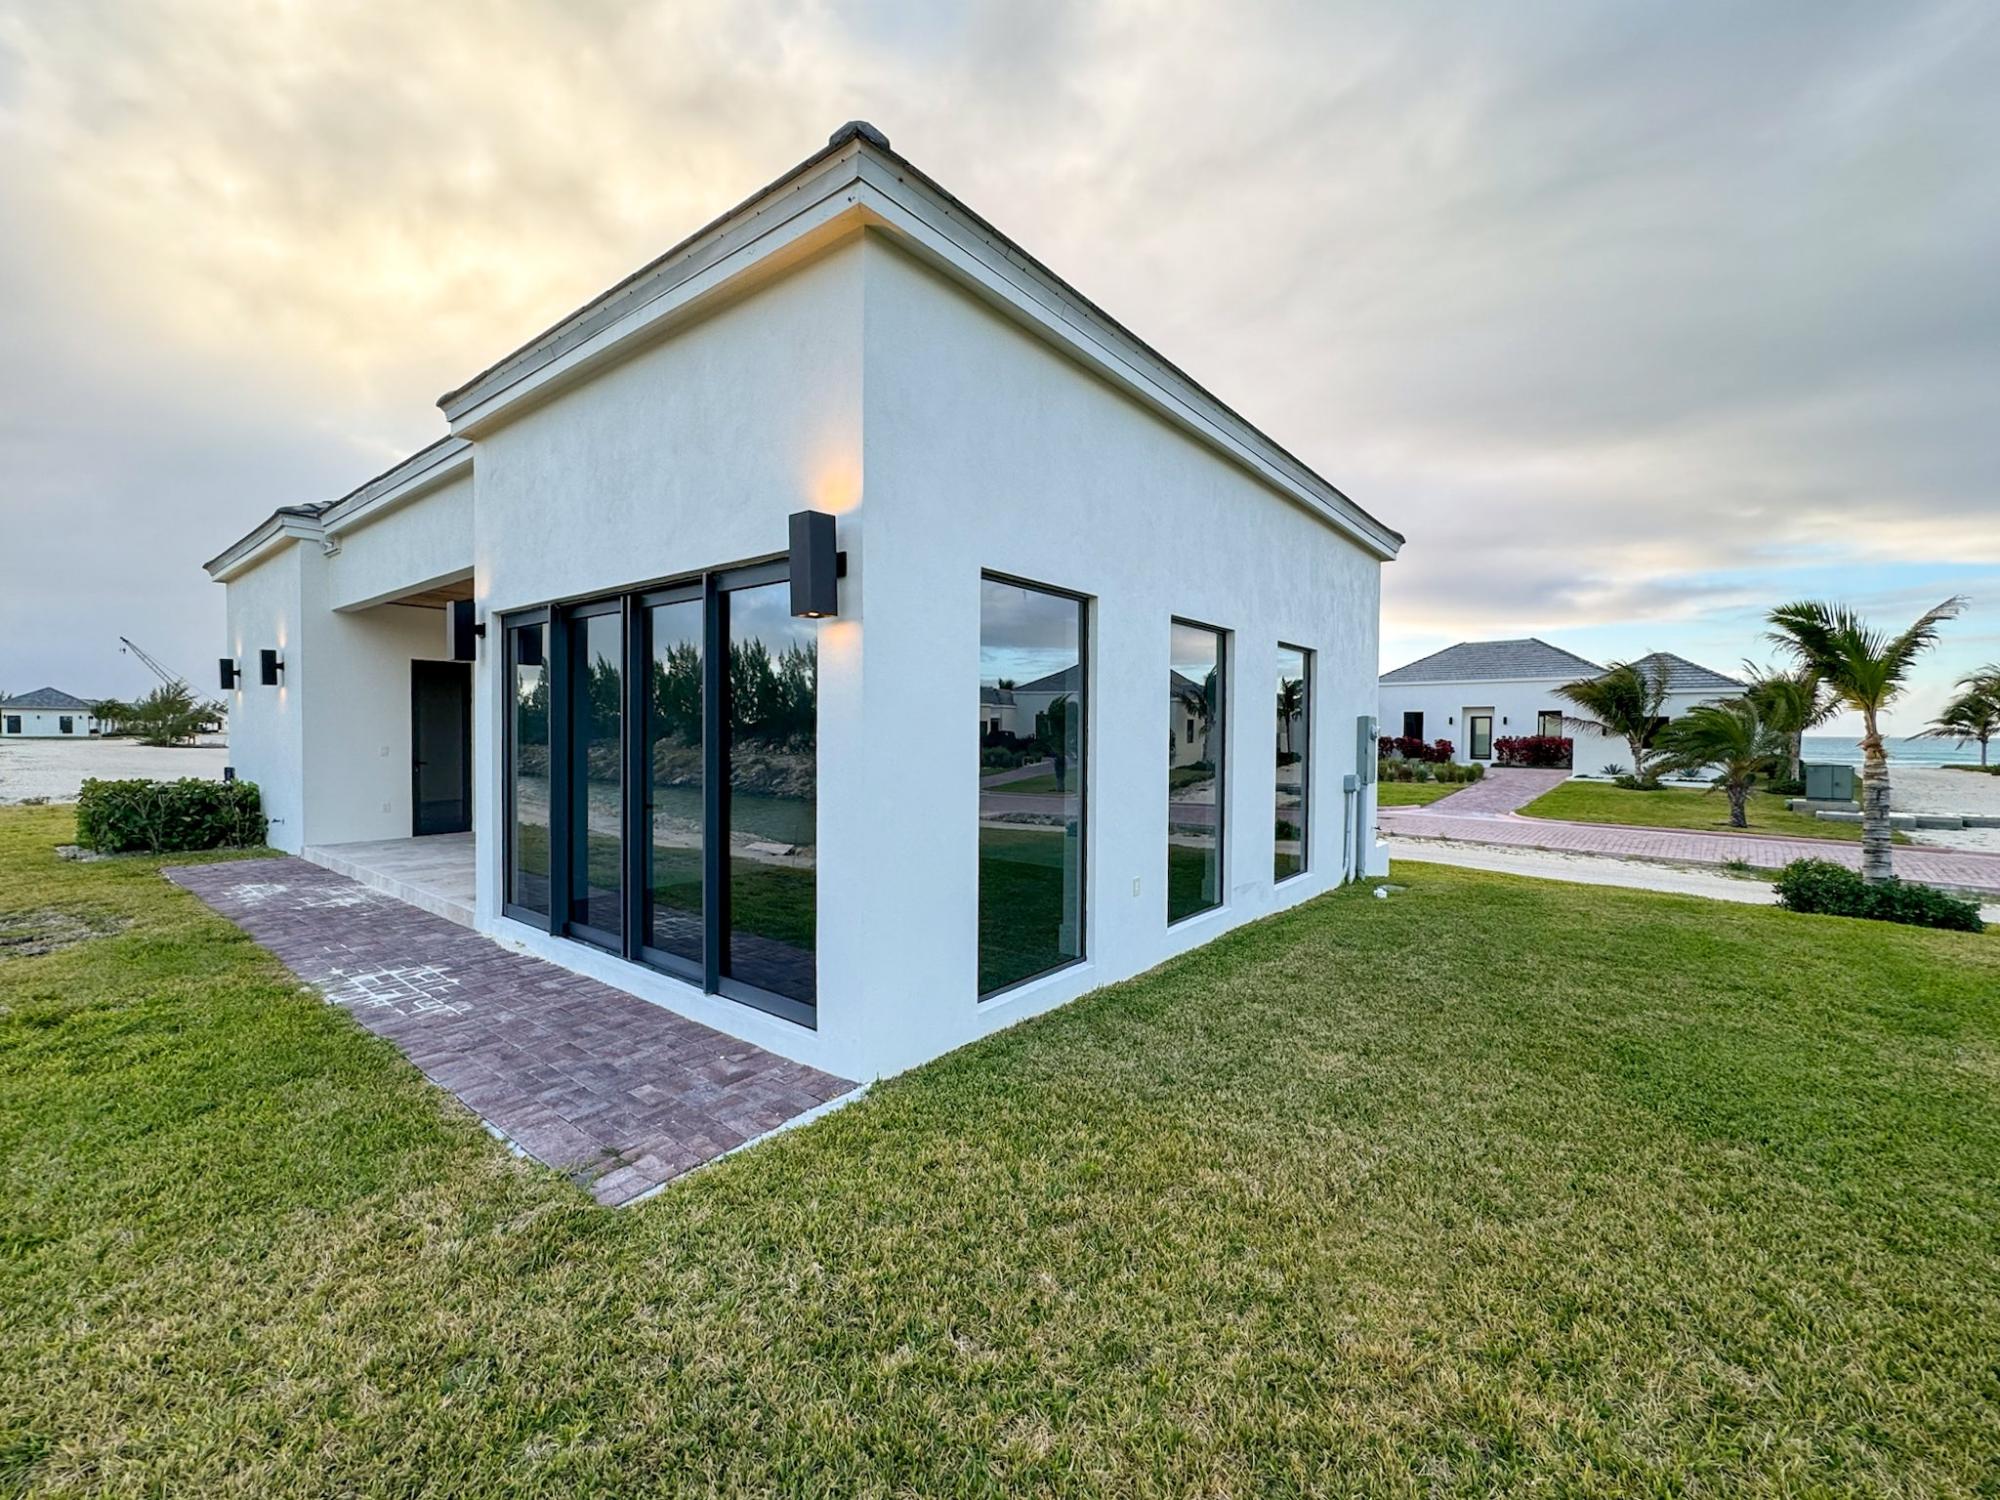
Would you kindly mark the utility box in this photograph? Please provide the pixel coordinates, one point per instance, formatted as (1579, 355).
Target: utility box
(1826, 783)
(1367, 747)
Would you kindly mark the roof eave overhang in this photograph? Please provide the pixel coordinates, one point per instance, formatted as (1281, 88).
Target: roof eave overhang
(846, 190)
(278, 532)
(421, 474)
(1384, 681)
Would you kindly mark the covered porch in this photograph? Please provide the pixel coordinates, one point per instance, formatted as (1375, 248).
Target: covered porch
(436, 873)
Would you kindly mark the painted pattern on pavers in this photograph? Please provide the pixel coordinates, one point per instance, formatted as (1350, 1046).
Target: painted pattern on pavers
(620, 1094)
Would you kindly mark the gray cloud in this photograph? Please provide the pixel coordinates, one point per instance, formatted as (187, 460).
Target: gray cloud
(1621, 313)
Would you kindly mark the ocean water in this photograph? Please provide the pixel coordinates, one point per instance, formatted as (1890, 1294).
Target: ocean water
(1841, 750)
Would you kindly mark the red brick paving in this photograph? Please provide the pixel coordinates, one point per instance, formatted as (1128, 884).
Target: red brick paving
(1962, 869)
(620, 1094)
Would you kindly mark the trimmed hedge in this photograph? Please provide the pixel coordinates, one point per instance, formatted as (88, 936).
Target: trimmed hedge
(1820, 885)
(165, 817)
(1541, 751)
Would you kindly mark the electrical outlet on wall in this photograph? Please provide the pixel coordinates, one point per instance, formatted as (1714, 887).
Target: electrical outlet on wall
(1135, 885)
(385, 807)
(385, 750)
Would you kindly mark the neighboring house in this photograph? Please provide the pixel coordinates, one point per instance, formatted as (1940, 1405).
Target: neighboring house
(699, 755)
(1480, 691)
(46, 713)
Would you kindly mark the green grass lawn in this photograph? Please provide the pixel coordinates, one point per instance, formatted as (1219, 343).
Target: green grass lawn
(1679, 807)
(1496, 1185)
(1414, 793)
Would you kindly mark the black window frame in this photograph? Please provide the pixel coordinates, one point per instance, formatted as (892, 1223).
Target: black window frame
(1086, 623)
(1542, 716)
(66, 723)
(13, 723)
(1224, 641)
(523, 619)
(1471, 739)
(1308, 660)
(711, 586)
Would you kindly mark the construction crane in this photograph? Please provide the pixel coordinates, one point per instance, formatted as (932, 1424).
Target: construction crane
(171, 679)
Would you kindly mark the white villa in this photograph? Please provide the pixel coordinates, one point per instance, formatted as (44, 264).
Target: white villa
(46, 713)
(645, 654)
(1477, 692)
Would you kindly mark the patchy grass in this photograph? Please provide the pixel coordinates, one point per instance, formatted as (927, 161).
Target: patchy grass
(1496, 1185)
(1680, 807)
(1414, 793)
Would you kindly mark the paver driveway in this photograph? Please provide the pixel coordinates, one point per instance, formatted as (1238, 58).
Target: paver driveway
(1491, 820)
(620, 1094)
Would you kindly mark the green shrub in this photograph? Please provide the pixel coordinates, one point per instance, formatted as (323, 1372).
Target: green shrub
(1820, 885)
(162, 817)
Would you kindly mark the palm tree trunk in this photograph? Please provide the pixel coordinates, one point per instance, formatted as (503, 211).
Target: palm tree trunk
(1797, 769)
(1877, 863)
(1739, 798)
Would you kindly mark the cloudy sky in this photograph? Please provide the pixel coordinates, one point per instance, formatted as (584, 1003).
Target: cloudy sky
(1636, 319)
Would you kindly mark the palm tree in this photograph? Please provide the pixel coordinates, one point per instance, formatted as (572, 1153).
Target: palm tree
(1973, 715)
(1291, 698)
(1792, 703)
(1866, 671)
(1622, 704)
(1735, 738)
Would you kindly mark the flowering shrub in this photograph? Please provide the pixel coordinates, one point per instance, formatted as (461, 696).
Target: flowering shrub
(1549, 751)
(1412, 748)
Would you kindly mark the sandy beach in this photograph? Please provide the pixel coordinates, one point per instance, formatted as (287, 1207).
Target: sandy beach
(1934, 790)
(54, 770)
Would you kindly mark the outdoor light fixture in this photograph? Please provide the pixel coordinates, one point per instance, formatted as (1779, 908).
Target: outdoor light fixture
(816, 566)
(268, 667)
(464, 632)
(226, 668)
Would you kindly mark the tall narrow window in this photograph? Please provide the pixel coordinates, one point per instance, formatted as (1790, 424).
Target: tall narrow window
(1479, 730)
(673, 816)
(770, 828)
(1032, 774)
(528, 769)
(1197, 705)
(597, 783)
(1294, 710)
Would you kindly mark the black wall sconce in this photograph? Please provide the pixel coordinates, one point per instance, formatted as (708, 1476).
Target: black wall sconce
(226, 671)
(817, 567)
(465, 632)
(268, 667)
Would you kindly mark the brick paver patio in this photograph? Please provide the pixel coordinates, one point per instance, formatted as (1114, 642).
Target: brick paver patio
(1500, 791)
(1958, 868)
(621, 1095)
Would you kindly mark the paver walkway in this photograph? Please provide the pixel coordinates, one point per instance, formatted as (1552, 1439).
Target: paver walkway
(1500, 792)
(1957, 868)
(620, 1094)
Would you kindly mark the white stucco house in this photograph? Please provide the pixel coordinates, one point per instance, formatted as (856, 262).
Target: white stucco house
(654, 639)
(46, 713)
(1477, 692)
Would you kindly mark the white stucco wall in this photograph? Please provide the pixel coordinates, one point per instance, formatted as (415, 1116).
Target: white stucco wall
(46, 723)
(987, 450)
(329, 746)
(266, 734)
(416, 544)
(1519, 702)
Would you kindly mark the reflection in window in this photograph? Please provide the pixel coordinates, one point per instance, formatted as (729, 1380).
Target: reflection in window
(1197, 701)
(596, 698)
(1032, 684)
(528, 760)
(1294, 710)
(674, 811)
(770, 748)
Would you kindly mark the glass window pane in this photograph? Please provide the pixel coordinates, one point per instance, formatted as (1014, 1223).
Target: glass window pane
(1032, 684)
(596, 697)
(1197, 701)
(771, 749)
(528, 781)
(1294, 710)
(674, 808)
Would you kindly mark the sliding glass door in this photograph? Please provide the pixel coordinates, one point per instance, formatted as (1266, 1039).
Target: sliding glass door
(674, 779)
(597, 783)
(662, 781)
(771, 795)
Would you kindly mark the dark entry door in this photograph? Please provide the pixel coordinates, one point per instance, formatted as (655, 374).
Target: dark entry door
(441, 746)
